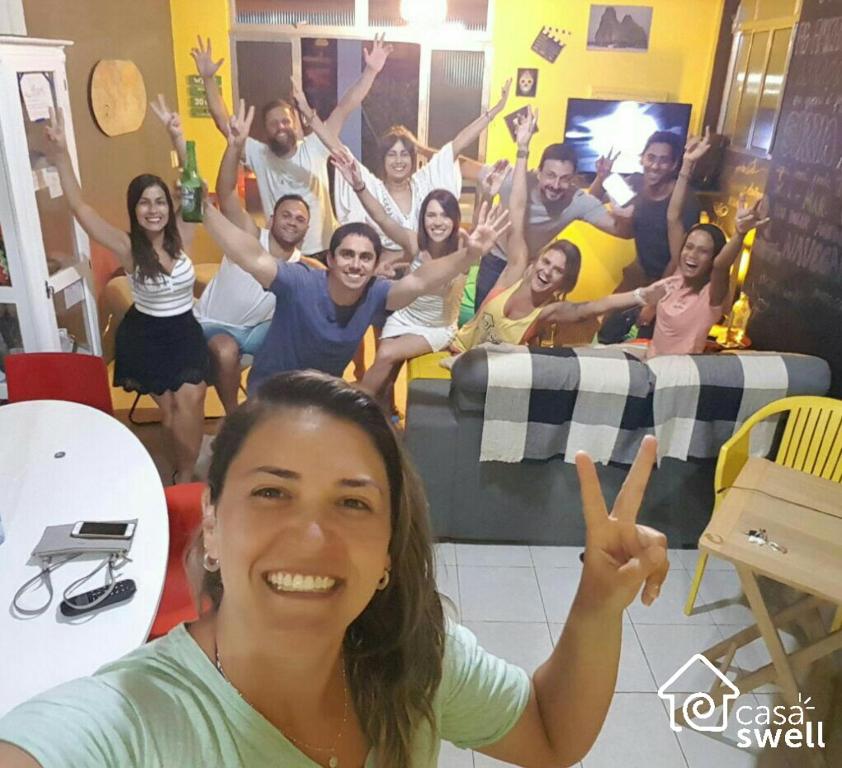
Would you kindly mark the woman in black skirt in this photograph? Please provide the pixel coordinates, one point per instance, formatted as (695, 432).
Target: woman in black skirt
(160, 348)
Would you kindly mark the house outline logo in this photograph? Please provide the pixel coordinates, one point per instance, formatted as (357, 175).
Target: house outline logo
(699, 704)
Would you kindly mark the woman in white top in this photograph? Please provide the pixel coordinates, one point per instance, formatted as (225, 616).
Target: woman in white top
(429, 323)
(398, 185)
(160, 349)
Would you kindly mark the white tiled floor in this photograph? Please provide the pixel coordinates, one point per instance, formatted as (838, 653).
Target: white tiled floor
(516, 599)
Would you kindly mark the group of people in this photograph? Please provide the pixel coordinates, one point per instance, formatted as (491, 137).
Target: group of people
(301, 292)
(322, 639)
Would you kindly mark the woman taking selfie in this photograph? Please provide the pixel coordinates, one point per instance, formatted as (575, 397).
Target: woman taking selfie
(324, 641)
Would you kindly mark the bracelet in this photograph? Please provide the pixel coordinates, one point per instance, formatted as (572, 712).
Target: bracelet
(638, 296)
(359, 189)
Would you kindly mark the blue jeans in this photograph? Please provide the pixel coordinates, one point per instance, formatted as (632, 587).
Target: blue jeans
(249, 340)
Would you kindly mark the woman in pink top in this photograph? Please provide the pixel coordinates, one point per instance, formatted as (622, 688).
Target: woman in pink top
(698, 291)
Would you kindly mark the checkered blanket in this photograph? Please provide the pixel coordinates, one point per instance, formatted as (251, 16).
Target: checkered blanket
(544, 403)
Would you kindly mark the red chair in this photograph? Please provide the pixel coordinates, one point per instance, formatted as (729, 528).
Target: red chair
(184, 509)
(59, 376)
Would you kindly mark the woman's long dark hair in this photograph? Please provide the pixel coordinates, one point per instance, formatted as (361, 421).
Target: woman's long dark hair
(394, 649)
(143, 254)
(450, 205)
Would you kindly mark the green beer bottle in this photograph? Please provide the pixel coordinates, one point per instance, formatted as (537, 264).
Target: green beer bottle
(191, 187)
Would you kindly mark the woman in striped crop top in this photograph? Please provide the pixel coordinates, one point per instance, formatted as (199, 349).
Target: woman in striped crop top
(160, 348)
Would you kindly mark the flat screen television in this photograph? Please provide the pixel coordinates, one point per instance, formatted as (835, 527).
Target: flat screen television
(594, 126)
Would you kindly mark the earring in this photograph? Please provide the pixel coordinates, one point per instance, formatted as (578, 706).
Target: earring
(211, 564)
(384, 580)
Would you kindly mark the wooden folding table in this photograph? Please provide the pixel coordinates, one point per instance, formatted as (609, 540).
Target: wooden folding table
(786, 525)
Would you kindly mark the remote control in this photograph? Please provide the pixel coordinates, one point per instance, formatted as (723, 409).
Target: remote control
(77, 606)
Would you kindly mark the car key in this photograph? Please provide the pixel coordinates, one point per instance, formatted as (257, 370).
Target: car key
(79, 605)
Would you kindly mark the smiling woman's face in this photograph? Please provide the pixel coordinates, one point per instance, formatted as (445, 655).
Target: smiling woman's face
(548, 272)
(397, 164)
(302, 526)
(696, 255)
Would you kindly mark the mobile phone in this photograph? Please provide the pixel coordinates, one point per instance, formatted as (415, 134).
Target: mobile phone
(617, 189)
(103, 530)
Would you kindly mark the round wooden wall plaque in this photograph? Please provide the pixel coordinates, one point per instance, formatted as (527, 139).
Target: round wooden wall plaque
(118, 96)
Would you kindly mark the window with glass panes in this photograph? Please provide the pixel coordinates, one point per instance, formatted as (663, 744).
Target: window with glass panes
(763, 33)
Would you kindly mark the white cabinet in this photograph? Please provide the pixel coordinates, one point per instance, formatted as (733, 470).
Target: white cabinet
(46, 292)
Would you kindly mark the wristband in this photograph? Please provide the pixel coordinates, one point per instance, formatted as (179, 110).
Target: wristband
(359, 189)
(638, 296)
(524, 153)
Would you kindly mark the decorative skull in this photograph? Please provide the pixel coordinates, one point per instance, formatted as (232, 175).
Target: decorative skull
(527, 81)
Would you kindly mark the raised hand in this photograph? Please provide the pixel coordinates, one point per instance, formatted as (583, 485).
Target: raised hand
(605, 163)
(491, 183)
(620, 555)
(54, 132)
(239, 124)
(697, 147)
(749, 217)
(504, 97)
(203, 56)
(385, 269)
(304, 108)
(375, 59)
(345, 162)
(491, 224)
(403, 132)
(170, 119)
(623, 213)
(526, 127)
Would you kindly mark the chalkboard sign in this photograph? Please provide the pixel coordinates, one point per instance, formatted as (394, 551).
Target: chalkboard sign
(741, 174)
(795, 279)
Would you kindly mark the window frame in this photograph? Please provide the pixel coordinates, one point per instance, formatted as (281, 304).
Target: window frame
(444, 41)
(746, 30)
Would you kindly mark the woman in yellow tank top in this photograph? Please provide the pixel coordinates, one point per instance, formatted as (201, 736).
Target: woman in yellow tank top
(526, 295)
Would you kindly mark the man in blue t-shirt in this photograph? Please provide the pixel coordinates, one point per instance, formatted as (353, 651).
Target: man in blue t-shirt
(321, 316)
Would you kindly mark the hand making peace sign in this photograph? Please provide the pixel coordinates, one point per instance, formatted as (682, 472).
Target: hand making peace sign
(375, 59)
(605, 163)
(239, 125)
(620, 555)
(170, 119)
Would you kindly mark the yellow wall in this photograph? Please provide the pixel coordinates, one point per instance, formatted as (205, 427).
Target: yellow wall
(208, 18)
(678, 64)
(677, 67)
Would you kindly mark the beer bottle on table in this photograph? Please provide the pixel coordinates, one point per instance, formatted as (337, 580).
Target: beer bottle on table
(191, 187)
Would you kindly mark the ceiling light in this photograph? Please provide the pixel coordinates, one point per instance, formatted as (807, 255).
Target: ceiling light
(427, 13)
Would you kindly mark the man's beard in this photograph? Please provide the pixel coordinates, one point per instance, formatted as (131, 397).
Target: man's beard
(559, 204)
(281, 147)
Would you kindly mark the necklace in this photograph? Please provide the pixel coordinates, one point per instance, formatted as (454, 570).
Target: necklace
(333, 760)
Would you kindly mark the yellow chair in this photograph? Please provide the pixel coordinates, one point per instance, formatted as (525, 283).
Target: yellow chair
(811, 442)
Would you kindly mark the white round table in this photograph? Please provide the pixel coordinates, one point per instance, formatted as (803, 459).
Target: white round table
(60, 463)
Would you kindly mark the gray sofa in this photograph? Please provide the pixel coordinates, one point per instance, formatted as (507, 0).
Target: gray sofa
(537, 502)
